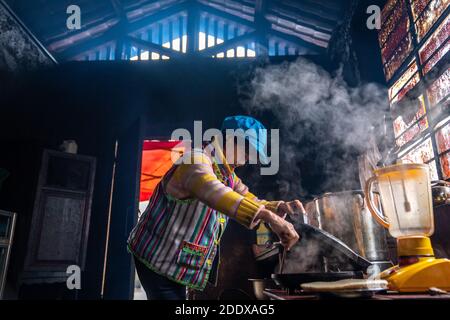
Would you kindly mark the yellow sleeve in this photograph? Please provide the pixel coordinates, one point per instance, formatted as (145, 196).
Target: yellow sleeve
(241, 188)
(199, 179)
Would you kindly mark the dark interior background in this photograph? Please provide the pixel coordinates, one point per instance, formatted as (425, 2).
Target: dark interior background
(97, 103)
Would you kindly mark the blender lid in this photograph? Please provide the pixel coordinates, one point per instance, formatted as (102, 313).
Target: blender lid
(400, 166)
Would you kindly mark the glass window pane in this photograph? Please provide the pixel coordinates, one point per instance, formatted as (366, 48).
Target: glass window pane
(399, 56)
(430, 16)
(417, 7)
(395, 38)
(438, 56)
(421, 154)
(408, 136)
(387, 9)
(439, 89)
(395, 26)
(445, 165)
(433, 170)
(399, 85)
(409, 117)
(437, 40)
(443, 138)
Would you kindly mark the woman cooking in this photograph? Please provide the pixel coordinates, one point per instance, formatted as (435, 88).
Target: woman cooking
(175, 241)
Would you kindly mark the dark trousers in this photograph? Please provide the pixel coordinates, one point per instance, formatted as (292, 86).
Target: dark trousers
(158, 287)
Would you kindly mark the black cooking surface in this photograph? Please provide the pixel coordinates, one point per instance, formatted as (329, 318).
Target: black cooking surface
(294, 280)
(318, 251)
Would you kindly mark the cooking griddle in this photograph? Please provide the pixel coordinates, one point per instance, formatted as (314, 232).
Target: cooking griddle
(343, 262)
(331, 247)
(293, 281)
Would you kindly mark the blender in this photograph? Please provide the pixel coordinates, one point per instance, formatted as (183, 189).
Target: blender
(405, 193)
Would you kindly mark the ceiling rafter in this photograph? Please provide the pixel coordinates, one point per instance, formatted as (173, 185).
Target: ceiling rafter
(262, 27)
(324, 10)
(165, 13)
(225, 15)
(153, 47)
(296, 40)
(232, 7)
(307, 24)
(72, 43)
(118, 9)
(304, 18)
(298, 30)
(229, 44)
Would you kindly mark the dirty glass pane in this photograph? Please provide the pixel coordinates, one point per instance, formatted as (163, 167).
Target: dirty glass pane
(439, 89)
(417, 7)
(405, 83)
(437, 40)
(443, 138)
(423, 153)
(409, 117)
(429, 16)
(445, 165)
(409, 135)
(400, 54)
(387, 9)
(433, 170)
(394, 27)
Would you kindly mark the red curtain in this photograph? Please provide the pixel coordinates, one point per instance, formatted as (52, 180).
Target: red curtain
(156, 161)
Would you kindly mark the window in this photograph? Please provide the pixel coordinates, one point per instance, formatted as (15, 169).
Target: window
(419, 80)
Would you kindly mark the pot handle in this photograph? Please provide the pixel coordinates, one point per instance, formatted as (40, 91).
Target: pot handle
(444, 183)
(369, 201)
(361, 193)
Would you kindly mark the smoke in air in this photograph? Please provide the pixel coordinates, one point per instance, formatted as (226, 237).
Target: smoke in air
(311, 105)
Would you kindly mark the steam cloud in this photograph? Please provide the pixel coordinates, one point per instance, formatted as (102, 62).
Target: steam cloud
(310, 104)
(321, 119)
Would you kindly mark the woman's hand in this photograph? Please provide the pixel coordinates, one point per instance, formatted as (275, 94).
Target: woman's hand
(283, 229)
(291, 208)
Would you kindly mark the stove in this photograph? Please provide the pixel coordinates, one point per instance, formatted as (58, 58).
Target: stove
(284, 294)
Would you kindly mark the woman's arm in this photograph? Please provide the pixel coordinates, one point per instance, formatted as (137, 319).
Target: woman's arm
(279, 207)
(199, 180)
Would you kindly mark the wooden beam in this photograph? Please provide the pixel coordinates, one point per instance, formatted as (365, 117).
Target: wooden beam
(304, 18)
(29, 34)
(229, 44)
(160, 15)
(301, 30)
(118, 9)
(120, 29)
(193, 21)
(262, 27)
(225, 15)
(295, 40)
(319, 10)
(153, 47)
(89, 44)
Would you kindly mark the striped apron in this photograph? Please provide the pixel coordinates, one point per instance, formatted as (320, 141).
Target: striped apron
(179, 238)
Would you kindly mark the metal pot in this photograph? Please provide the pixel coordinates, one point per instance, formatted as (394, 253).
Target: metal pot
(259, 285)
(344, 215)
(440, 190)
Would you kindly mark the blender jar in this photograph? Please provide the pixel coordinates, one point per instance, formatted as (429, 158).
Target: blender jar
(405, 193)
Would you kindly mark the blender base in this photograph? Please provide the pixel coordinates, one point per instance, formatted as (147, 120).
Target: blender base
(420, 276)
